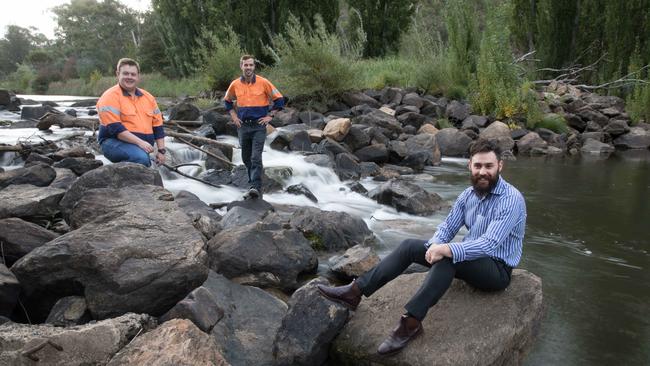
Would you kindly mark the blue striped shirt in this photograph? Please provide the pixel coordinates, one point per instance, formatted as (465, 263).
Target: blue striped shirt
(496, 224)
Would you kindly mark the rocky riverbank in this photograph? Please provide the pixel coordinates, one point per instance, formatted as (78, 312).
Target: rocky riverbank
(109, 267)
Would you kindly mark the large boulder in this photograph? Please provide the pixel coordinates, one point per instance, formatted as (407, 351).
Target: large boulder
(589, 114)
(347, 166)
(637, 138)
(40, 175)
(337, 128)
(530, 141)
(200, 307)
(426, 146)
(391, 96)
(253, 255)
(453, 142)
(176, 342)
(9, 289)
(309, 327)
(330, 230)
(457, 111)
(240, 216)
(204, 217)
(377, 153)
(64, 178)
(377, 118)
(109, 176)
(35, 112)
(466, 327)
(407, 197)
(251, 320)
(591, 146)
(79, 165)
(20, 237)
(499, 132)
(133, 250)
(69, 311)
(90, 344)
(184, 111)
(354, 99)
(29, 202)
(354, 262)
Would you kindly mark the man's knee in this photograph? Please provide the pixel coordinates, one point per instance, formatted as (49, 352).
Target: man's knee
(409, 245)
(140, 157)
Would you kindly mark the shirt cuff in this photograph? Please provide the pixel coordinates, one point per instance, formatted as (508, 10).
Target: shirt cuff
(115, 128)
(457, 252)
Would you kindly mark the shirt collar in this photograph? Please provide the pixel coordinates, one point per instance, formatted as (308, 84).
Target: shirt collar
(125, 93)
(243, 80)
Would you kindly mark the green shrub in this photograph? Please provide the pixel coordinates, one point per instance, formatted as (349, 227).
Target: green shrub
(157, 84)
(638, 103)
(443, 123)
(220, 58)
(553, 122)
(389, 71)
(20, 80)
(310, 61)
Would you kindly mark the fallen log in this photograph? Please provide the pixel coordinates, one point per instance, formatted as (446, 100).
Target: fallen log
(64, 120)
(185, 123)
(183, 138)
(176, 170)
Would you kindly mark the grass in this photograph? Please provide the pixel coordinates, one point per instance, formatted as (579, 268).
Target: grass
(156, 84)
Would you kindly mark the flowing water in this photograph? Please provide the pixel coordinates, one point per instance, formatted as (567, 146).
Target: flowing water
(586, 237)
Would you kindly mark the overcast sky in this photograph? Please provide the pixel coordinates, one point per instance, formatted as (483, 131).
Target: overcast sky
(37, 13)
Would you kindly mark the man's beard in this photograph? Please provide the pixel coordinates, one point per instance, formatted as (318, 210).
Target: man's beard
(483, 190)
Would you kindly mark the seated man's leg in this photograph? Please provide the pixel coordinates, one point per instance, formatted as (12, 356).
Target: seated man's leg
(435, 285)
(409, 251)
(485, 274)
(117, 151)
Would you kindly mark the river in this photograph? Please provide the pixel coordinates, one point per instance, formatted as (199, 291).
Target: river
(585, 237)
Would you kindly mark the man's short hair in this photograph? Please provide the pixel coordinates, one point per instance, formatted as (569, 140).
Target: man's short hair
(127, 61)
(483, 146)
(246, 57)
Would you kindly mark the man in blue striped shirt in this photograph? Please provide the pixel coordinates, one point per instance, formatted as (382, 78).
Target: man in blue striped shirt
(491, 209)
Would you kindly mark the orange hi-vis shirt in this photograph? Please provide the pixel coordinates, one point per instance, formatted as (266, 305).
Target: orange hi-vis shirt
(139, 114)
(252, 98)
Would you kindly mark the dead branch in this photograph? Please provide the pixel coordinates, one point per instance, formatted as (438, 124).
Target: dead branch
(64, 120)
(176, 170)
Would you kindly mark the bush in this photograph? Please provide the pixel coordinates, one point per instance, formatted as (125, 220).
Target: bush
(638, 103)
(553, 122)
(156, 84)
(390, 71)
(310, 61)
(220, 57)
(20, 80)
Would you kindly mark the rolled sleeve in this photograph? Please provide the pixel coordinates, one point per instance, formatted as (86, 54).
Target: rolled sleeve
(115, 128)
(158, 132)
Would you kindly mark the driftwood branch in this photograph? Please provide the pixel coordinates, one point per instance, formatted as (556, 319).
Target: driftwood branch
(176, 170)
(64, 120)
(23, 146)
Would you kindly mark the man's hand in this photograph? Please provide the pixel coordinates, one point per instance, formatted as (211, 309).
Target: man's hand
(160, 158)
(265, 120)
(237, 121)
(436, 252)
(145, 146)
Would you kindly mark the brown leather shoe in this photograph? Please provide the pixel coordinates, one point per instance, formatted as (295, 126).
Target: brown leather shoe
(407, 329)
(348, 295)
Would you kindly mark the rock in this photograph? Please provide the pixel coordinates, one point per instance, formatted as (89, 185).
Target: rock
(330, 230)
(35, 112)
(200, 307)
(240, 216)
(20, 237)
(575, 121)
(255, 205)
(330, 147)
(361, 109)
(611, 112)
(69, 311)
(74, 152)
(378, 118)
(421, 150)
(457, 112)
(71, 112)
(217, 120)
(214, 163)
(354, 262)
(391, 96)
(357, 187)
(251, 321)
(9, 290)
(464, 319)
(428, 129)
(287, 116)
(616, 128)
(406, 109)
(527, 143)
(236, 254)
(29, 202)
(84, 103)
(176, 342)
(322, 160)
(413, 99)
(407, 197)
(433, 109)
(478, 121)
(368, 169)
(35, 158)
(354, 99)
(500, 133)
(109, 176)
(598, 136)
(589, 114)
(40, 175)
(606, 101)
(591, 146)
(637, 138)
(133, 250)
(337, 129)
(315, 136)
(356, 138)
(414, 120)
(184, 111)
(453, 142)
(301, 189)
(312, 119)
(308, 328)
(64, 179)
(347, 166)
(300, 142)
(593, 127)
(90, 344)
(8, 100)
(518, 133)
(376, 153)
(204, 218)
(79, 165)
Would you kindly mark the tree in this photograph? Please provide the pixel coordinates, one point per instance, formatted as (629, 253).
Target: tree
(97, 33)
(383, 22)
(16, 45)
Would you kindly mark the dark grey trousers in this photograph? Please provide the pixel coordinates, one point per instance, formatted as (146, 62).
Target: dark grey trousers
(486, 274)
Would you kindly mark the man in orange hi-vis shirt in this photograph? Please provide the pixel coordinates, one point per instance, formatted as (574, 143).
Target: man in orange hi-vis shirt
(130, 121)
(253, 94)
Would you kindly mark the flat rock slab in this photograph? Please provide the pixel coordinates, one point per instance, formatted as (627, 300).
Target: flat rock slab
(28, 201)
(467, 326)
(90, 344)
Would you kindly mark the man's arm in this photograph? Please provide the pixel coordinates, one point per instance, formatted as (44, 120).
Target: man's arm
(158, 132)
(510, 212)
(448, 229)
(230, 106)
